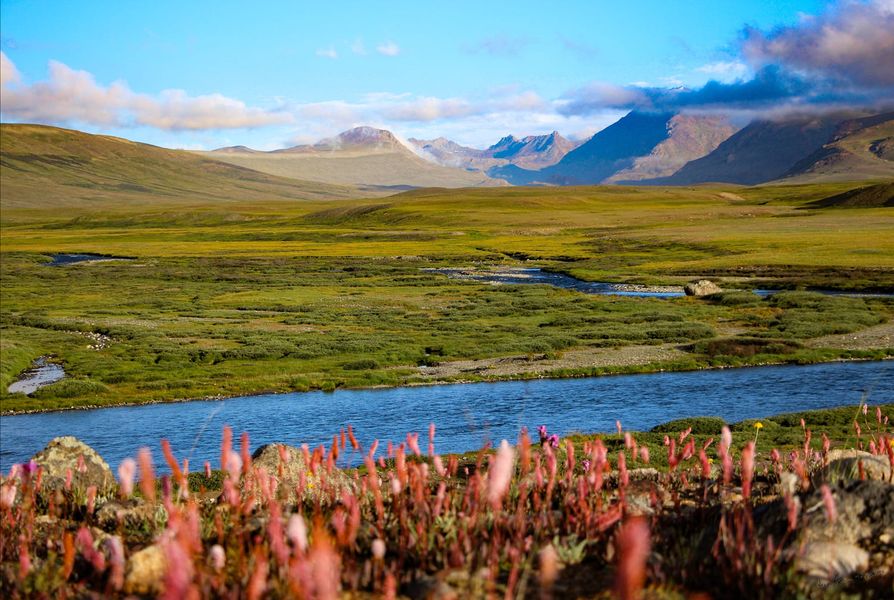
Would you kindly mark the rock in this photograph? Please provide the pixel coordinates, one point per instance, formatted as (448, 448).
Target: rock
(644, 474)
(133, 515)
(428, 587)
(865, 513)
(61, 455)
(145, 572)
(639, 505)
(702, 287)
(288, 472)
(789, 484)
(848, 469)
(832, 561)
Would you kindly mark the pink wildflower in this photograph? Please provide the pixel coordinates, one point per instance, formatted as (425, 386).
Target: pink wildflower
(747, 468)
(147, 474)
(829, 502)
(116, 561)
(644, 454)
(378, 549)
(7, 494)
(126, 470)
(500, 474)
(218, 557)
(632, 549)
(726, 438)
(297, 532)
(793, 506)
(622, 469)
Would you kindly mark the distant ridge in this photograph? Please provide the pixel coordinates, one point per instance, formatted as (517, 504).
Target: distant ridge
(235, 149)
(530, 152)
(359, 156)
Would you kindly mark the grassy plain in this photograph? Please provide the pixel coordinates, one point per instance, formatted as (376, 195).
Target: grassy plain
(240, 297)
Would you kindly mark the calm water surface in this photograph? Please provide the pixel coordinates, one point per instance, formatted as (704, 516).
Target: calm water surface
(466, 415)
(521, 276)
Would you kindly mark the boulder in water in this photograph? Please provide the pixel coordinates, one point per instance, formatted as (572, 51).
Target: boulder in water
(702, 287)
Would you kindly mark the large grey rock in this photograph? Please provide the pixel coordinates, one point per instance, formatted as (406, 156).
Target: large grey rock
(62, 454)
(702, 287)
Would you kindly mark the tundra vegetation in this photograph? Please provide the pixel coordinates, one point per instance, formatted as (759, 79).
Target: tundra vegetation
(797, 505)
(224, 298)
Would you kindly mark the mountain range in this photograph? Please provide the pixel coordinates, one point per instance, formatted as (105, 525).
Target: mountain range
(360, 156)
(650, 148)
(531, 152)
(64, 166)
(801, 149)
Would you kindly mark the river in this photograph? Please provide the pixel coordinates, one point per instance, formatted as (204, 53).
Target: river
(466, 415)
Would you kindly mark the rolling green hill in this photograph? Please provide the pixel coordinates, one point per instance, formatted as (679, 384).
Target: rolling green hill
(48, 166)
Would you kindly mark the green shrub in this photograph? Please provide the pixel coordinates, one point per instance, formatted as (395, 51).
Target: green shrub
(745, 347)
(700, 425)
(71, 388)
(362, 364)
(734, 298)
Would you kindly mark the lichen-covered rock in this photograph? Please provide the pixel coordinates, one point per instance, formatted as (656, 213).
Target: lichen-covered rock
(145, 572)
(703, 287)
(847, 468)
(87, 467)
(832, 561)
(133, 515)
(286, 464)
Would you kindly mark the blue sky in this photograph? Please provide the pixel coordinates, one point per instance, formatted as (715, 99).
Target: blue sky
(269, 74)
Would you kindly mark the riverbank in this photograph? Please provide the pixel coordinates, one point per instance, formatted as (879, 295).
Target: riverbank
(574, 364)
(702, 500)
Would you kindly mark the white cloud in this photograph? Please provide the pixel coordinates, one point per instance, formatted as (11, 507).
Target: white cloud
(8, 71)
(329, 52)
(724, 71)
(389, 48)
(430, 109)
(70, 96)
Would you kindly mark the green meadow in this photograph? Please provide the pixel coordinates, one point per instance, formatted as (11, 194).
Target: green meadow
(227, 298)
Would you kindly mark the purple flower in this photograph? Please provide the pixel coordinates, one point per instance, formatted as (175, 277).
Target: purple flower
(554, 440)
(586, 465)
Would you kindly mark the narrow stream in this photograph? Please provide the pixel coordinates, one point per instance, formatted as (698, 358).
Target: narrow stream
(41, 373)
